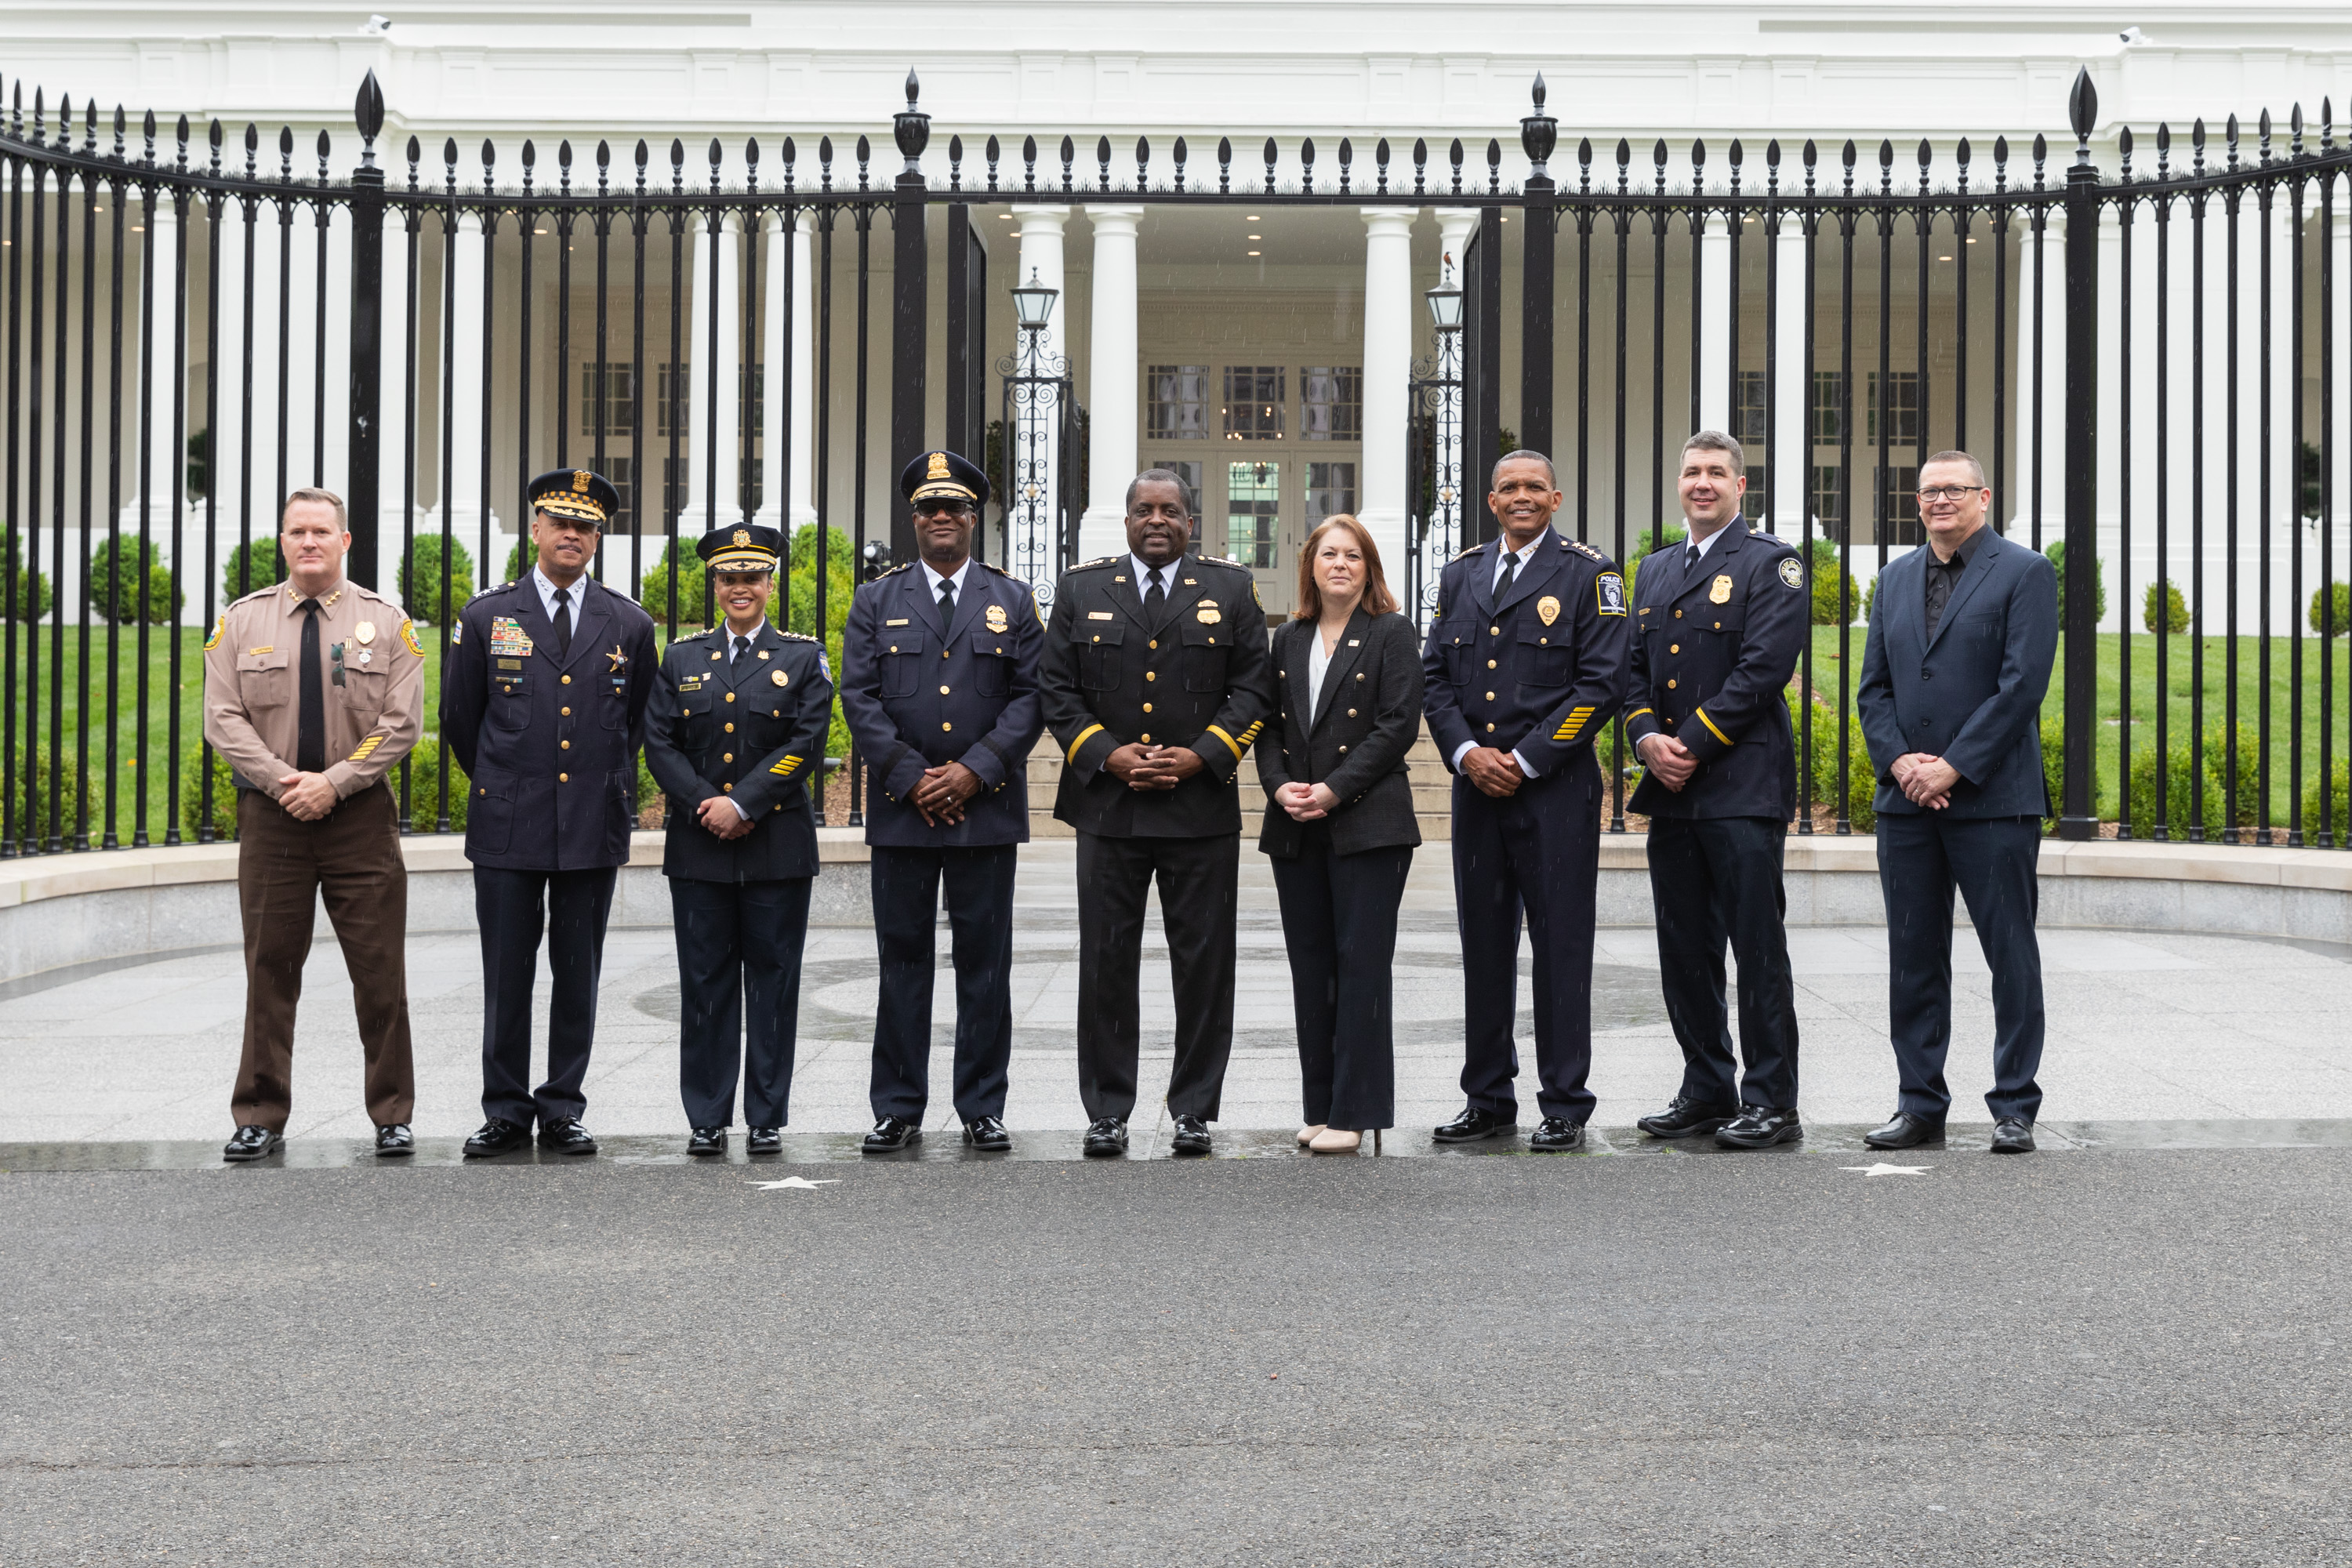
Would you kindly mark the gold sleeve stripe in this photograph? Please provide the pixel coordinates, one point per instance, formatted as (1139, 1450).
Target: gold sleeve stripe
(1710, 725)
(1091, 730)
(785, 769)
(1637, 712)
(1229, 740)
(370, 744)
(1250, 734)
(1575, 725)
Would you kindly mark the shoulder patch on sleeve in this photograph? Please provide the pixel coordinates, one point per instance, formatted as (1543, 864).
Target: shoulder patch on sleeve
(220, 628)
(1792, 572)
(408, 635)
(1609, 590)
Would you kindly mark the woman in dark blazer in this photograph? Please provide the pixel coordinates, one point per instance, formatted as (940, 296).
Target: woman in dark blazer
(1339, 825)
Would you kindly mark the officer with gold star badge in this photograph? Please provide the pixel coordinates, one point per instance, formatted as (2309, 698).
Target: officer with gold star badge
(543, 704)
(735, 736)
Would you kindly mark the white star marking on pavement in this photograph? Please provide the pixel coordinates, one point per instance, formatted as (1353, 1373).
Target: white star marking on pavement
(794, 1183)
(1883, 1169)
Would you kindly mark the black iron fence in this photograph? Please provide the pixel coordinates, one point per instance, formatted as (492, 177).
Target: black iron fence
(199, 318)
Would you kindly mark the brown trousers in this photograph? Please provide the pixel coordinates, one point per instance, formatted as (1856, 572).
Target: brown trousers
(352, 856)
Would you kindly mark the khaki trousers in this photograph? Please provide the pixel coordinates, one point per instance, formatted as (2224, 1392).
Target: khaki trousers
(353, 856)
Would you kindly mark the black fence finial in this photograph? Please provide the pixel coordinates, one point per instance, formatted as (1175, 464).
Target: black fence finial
(367, 109)
(911, 128)
(1538, 134)
(2083, 113)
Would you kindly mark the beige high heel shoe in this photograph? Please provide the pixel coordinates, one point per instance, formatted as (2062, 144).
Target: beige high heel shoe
(1308, 1135)
(1334, 1140)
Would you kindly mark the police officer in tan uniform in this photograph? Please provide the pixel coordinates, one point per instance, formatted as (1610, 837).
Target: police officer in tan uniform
(311, 692)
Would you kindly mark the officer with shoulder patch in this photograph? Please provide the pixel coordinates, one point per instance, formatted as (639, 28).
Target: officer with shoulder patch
(734, 735)
(938, 685)
(1718, 624)
(1156, 679)
(1525, 664)
(543, 703)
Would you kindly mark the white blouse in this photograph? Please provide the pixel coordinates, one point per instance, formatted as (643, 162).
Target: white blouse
(1317, 661)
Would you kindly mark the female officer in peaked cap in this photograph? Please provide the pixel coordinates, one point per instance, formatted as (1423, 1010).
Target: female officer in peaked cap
(734, 736)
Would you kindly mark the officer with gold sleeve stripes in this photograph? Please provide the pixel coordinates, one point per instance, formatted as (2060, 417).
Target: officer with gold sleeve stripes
(1156, 677)
(734, 735)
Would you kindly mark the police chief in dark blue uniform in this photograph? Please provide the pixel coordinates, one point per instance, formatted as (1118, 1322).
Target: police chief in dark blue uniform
(1526, 664)
(1718, 621)
(939, 684)
(543, 703)
(735, 733)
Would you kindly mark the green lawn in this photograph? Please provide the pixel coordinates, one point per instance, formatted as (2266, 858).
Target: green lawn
(2181, 715)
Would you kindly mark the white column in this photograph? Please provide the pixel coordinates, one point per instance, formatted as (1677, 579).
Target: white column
(1715, 324)
(2339, 240)
(1791, 477)
(466, 411)
(224, 419)
(1381, 504)
(1111, 379)
(712, 497)
(804, 372)
(164, 461)
(2107, 526)
(301, 286)
(335, 455)
(2041, 412)
(2283, 524)
(1041, 261)
(788, 360)
(392, 404)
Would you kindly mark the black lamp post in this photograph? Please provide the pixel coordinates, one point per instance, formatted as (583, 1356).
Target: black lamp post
(1434, 450)
(1039, 401)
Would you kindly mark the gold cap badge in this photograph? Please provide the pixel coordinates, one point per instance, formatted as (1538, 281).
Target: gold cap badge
(742, 537)
(580, 481)
(938, 469)
(1548, 609)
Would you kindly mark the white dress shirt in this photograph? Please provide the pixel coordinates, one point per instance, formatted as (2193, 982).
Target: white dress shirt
(547, 595)
(1143, 575)
(1317, 661)
(956, 577)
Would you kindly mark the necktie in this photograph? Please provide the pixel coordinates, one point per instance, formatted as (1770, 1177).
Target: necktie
(562, 623)
(947, 600)
(1510, 575)
(310, 731)
(743, 646)
(1156, 600)
(1690, 557)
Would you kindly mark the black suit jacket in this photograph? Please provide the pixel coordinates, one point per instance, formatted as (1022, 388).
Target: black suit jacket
(1971, 694)
(1194, 674)
(1713, 651)
(752, 729)
(1366, 718)
(548, 741)
(917, 694)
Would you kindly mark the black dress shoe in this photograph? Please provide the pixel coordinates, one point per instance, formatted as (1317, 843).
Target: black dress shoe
(1105, 1137)
(567, 1137)
(765, 1141)
(1685, 1118)
(498, 1136)
(1557, 1134)
(1191, 1137)
(1905, 1131)
(395, 1141)
(2012, 1135)
(1761, 1127)
(706, 1141)
(1474, 1124)
(987, 1134)
(252, 1143)
(891, 1134)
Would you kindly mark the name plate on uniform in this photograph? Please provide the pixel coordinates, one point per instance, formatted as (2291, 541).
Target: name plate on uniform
(508, 637)
(685, 682)
(510, 664)
(899, 622)
(1098, 614)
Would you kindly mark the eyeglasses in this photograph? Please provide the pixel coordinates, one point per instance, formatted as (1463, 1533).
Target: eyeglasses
(1949, 492)
(942, 508)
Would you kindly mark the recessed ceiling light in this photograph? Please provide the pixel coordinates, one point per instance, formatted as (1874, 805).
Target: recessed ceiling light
(1257, 253)
(539, 231)
(1971, 241)
(1257, 236)
(1943, 259)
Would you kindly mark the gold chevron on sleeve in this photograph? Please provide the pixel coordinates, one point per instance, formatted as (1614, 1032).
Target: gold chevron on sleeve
(785, 768)
(366, 746)
(1575, 725)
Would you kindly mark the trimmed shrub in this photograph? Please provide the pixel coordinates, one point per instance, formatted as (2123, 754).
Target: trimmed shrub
(114, 581)
(1861, 780)
(2057, 553)
(29, 796)
(1834, 592)
(423, 806)
(2331, 609)
(2175, 614)
(419, 579)
(1650, 542)
(32, 597)
(192, 781)
(2339, 810)
(2179, 778)
(262, 559)
(693, 601)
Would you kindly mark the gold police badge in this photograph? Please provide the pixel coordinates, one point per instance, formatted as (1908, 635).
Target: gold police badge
(996, 621)
(364, 633)
(780, 678)
(1719, 593)
(1548, 609)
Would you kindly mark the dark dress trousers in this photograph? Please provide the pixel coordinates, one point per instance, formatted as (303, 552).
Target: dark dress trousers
(1339, 878)
(1969, 690)
(1714, 646)
(919, 690)
(547, 739)
(749, 726)
(1192, 674)
(1539, 672)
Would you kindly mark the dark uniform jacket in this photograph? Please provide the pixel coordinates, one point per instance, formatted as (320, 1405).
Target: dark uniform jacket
(1713, 651)
(752, 729)
(917, 694)
(1539, 673)
(1366, 719)
(1972, 694)
(1195, 676)
(550, 742)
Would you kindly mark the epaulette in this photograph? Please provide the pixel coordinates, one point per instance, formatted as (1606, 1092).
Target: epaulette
(992, 566)
(795, 637)
(257, 593)
(902, 566)
(1471, 550)
(1100, 560)
(493, 588)
(1225, 561)
(1586, 550)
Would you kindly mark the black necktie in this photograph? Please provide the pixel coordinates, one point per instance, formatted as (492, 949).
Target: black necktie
(1156, 599)
(947, 600)
(1510, 575)
(562, 623)
(743, 646)
(310, 731)
(1690, 557)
